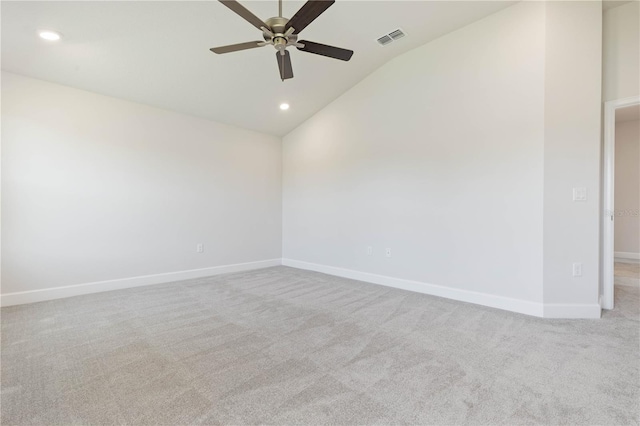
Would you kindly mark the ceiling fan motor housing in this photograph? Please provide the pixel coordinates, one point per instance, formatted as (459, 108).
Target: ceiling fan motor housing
(280, 43)
(279, 40)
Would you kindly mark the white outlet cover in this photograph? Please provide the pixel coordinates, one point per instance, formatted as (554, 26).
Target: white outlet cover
(579, 194)
(577, 269)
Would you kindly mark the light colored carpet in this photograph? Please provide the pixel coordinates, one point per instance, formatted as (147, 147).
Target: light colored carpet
(285, 346)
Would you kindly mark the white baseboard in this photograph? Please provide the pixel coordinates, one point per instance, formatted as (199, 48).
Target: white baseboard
(484, 299)
(491, 300)
(626, 255)
(572, 311)
(32, 296)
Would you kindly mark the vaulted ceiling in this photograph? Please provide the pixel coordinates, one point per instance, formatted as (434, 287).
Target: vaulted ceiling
(157, 53)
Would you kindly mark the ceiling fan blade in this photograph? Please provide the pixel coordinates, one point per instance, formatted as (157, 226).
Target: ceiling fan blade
(244, 13)
(307, 13)
(284, 65)
(324, 50)
(236, 47)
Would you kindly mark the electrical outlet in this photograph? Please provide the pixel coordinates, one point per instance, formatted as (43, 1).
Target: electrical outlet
(387, 252)
(577, 269)
(369, 250)
(200, 248)
(579, 194)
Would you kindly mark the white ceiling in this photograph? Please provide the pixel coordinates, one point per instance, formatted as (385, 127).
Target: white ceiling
(157, 53)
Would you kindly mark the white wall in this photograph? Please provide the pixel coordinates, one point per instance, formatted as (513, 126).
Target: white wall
(96, 188)
(460, 156)
(621, 51)
(437, 155)
(627, 187)
(573, 64)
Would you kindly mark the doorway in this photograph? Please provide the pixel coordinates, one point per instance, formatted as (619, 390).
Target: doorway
(621, 193)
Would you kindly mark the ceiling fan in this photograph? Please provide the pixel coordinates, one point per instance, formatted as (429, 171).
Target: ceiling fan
(281, 33)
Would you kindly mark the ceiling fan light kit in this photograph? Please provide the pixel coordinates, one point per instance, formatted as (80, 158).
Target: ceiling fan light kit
(282, 33)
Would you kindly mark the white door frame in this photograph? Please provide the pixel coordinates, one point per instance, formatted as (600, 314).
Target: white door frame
(608, 183)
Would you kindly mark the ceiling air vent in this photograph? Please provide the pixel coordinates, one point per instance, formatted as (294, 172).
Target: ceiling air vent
(396, 34)
(384, 40)
(393, 35)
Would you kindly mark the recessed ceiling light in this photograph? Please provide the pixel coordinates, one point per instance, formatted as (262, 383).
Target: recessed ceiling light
(284, 107)
(50, 35)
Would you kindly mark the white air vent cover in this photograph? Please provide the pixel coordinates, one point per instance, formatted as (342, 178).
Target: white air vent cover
(385, 39)
(393, 35)
(396, 34)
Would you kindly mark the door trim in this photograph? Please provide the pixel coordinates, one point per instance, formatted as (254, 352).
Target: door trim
(608, 192)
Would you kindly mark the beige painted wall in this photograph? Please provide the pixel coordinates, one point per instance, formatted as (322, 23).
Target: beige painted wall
(621, 52)
(627, 187)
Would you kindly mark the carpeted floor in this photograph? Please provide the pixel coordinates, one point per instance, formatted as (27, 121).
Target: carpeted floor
(285, 346)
